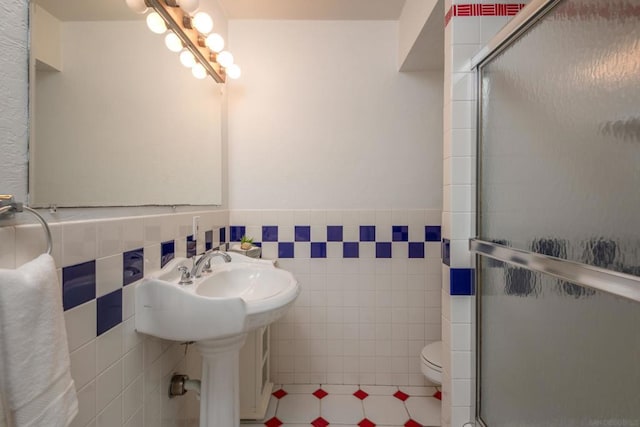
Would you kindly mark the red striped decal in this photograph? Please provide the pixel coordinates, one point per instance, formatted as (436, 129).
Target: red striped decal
(476, 9)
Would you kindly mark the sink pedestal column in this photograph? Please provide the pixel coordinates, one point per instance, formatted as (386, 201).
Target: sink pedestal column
(220, 382)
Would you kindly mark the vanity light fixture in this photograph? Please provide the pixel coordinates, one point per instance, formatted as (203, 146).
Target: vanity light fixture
(189, 34)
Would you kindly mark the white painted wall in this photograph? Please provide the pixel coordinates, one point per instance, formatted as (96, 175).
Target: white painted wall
(321, 118)
(14, 96)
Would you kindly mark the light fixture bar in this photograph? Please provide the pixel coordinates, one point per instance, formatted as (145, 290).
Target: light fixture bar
(189, 37)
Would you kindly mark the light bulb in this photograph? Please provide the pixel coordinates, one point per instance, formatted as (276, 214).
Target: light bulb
(225, 58)
(189, 6)
(156, 23)
(187, 59)
(198, 71)
(173, 42)
(138, 6)
(233, 71)
(202, 22)
(215, 42)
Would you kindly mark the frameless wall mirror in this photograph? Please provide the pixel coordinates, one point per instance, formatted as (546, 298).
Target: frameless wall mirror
(116, 120)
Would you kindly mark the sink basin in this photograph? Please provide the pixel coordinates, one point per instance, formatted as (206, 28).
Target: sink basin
(217, 311)
(235, 298)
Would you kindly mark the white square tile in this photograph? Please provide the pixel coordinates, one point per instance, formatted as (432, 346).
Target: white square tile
(83, 364)
(132, 399)
(108, 386)
(112, 414)
(384, 411)
(152, 258)
(130, 337)
(78, 242)
(108, 348)
(86, 405)
(30, 241)
(131, 365)
(109, 234)
(132, 233)
(80, 323)
(108, 274)
(136, 420)
(379, 390)
(128, 300)
(341, 409)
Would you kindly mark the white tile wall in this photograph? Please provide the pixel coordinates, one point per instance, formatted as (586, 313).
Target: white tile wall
(464, 36)
(357, 321)
(121, 376)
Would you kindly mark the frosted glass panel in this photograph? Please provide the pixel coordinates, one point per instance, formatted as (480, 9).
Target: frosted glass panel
(560, 171)
(555, 353)
(560, 175)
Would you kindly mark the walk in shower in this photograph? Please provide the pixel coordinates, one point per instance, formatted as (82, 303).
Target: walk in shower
(559, 217)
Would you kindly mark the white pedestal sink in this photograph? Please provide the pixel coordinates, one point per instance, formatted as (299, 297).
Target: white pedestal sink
(216, 311)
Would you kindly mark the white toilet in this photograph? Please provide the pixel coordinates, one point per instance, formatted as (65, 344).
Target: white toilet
(431, 362)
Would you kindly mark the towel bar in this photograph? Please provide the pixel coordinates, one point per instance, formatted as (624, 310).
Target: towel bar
(8, 206)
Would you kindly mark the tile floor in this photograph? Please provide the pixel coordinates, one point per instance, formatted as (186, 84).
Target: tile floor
(351, 406)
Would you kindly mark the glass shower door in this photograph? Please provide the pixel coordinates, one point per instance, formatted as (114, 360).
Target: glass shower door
(559, 219)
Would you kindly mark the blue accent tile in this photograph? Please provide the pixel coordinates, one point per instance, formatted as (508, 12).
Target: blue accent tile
(191, 246)
(285, 250)
(258, 244)
(432, 233)
(400, 233)
(416, 249)
(318, 250)
(78, 284)
(208, 240)
(223, 234)
(237, 231)
(334, 233)
(109, 311)
(167, 252)
(351, 250)
(462, 281)
(132, 266)
(367, 233)
(269, 233)
(383, 249)
(302, 233)
(446, 252)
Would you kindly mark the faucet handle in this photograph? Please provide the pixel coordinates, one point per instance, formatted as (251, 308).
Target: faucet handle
(185, 276)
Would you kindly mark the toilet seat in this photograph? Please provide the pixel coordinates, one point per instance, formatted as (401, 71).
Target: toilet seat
(431, 362)
(432, 355)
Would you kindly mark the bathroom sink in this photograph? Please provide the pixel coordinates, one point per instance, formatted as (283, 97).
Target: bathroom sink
(234, 299)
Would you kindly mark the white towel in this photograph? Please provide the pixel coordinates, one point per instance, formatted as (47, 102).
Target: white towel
(35, 375)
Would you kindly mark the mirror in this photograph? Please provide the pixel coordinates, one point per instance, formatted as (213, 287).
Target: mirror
(116, 119)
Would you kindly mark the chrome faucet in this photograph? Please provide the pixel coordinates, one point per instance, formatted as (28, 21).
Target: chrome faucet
(204, 262)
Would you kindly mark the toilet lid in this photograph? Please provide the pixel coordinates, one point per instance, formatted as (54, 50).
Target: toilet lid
(432, 353)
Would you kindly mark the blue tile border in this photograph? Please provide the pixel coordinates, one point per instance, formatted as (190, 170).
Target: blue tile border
(302, 233)
(192, 246)
(350, 250)
(383, 249)
(109, 311)
(132, 266)
(318, 250)
(223, 234)
(416, 249)
(286, 250)
(269, 233)
(432, 233)
(237, 231)
(367, 233)
(462, 281)
(208, 240)
(334, 233)
(78, 284)
(167, 252)
(400, 233)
